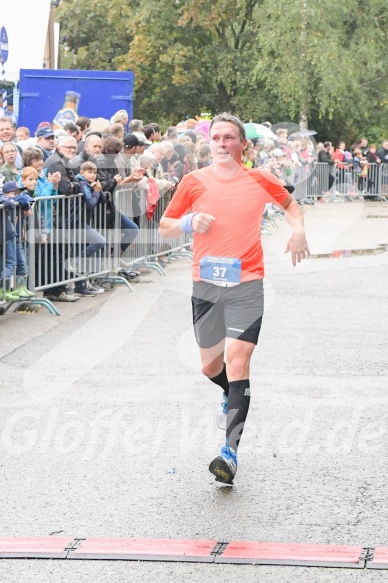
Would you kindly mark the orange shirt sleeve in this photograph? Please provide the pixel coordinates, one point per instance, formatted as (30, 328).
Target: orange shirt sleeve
(276, 193)
(181, 202)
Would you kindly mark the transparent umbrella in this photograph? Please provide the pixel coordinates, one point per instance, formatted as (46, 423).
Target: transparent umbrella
(302, 134)
(257, 130)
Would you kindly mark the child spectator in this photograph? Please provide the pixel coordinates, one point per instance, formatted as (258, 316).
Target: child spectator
(92, 196)
(249, 157)
(29, 180)
(47, 184)
(360, 167)
(17, 219)
(22, 133)
(373, 169)
(7, 240)
(29, 183)
(371, 156)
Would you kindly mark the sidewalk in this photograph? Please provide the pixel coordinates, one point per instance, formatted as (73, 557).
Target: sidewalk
(334, 228)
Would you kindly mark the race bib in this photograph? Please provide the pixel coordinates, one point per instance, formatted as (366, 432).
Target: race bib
(224, 271)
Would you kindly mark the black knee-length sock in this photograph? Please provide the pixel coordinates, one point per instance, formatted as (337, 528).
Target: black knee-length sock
(222, 380)
(238, 405)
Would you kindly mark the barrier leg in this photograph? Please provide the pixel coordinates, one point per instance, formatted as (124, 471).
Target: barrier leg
(114, 278)
(158, 268)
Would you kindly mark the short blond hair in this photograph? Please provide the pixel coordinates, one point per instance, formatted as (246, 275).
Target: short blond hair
(29, 171)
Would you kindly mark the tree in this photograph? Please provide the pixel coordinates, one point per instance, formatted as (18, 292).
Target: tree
(323, 60)
(90, 30)
(192, 55)
(261, 59)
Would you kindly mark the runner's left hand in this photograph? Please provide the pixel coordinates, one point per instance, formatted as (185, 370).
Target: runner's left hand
(298, 247)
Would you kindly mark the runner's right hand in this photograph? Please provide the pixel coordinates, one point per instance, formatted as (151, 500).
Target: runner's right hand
(201, 222)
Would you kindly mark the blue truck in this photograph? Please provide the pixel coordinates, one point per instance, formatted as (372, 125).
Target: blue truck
(42, 94)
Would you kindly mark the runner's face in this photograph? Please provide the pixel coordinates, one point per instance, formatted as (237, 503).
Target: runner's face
(225, 143)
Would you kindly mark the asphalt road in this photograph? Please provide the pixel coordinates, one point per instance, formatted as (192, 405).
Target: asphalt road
(107, 426)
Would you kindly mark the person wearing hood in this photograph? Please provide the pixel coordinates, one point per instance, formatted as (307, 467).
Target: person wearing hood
(7, 250)
(15, 232)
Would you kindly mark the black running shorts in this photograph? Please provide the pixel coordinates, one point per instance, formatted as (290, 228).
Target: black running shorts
(233, 312)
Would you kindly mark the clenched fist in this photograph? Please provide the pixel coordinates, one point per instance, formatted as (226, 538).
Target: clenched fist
(201, 223)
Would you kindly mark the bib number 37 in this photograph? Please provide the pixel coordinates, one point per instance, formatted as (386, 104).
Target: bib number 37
(225, 271)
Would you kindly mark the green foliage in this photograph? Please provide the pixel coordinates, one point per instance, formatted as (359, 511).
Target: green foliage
(92, 33)
(261, 59)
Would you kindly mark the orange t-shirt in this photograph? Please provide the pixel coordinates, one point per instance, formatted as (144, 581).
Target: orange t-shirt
(237, 205)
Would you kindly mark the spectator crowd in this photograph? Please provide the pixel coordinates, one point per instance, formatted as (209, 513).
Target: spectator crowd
(131, 157)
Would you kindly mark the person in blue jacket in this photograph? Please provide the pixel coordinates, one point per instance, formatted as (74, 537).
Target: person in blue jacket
(15, 227)
(92, 196)
(7, 249)
(47, 184)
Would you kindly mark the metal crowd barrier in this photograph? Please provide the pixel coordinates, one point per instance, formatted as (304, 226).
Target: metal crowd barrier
(58, 233)
(333, 183)
(13, 256)
(62, 258)
(3, 258)
(148, 245)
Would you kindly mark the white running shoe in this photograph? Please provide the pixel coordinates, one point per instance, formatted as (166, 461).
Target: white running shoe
(222, 412)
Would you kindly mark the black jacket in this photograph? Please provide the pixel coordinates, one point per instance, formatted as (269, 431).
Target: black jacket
(106, 170)
(68, 184)
(325, 157)
(83, 156)
(382, 153)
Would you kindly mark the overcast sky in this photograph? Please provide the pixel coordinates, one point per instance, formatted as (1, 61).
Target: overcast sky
(26, 24)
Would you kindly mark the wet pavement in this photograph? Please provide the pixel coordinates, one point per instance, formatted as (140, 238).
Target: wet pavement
(107, 426)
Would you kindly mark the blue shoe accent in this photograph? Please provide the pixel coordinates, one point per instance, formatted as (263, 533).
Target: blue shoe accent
(228, 454)
(224, 466)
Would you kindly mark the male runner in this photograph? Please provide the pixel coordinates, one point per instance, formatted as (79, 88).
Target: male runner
(222, 206)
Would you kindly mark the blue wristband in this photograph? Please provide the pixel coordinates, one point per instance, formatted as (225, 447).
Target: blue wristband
(186, 223)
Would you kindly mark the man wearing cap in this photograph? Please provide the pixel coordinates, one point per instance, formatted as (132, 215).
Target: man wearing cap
(134, 172)
(131, 151)
(45, 141)
(142, 138)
